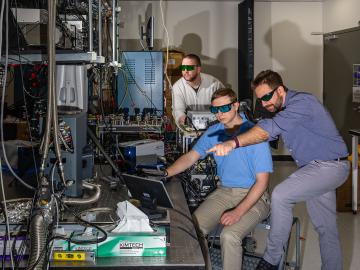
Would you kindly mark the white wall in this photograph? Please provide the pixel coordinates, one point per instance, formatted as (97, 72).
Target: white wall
(283, 42)
(340, 14)
(207, 28)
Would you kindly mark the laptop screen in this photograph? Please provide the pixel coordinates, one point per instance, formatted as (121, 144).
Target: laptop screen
(141, 187)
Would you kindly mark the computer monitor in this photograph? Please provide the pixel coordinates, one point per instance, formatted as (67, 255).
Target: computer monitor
(150, 33)
(148, 190)
(147, 28)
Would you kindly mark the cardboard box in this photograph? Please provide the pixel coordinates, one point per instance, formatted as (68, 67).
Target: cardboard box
(168, 101)
(16, 130)
(344, 195)
(174, 62)
(123, 244)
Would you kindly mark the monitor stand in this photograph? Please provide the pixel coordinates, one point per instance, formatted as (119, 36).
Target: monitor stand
(154, 214)
(150, 208)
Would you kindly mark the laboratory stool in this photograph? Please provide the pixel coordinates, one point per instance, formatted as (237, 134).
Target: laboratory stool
(250, 257)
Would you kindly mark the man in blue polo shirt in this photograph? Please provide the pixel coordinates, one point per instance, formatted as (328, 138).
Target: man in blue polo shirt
(241, 200)
(319, 151)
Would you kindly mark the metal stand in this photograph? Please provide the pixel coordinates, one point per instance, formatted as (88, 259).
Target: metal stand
(355, 133)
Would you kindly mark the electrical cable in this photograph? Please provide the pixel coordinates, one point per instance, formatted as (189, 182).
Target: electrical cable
(19, 60)
(182, 214)
(98, 240)
(1, 24)
(52, 173)
(167, 44)
(24, 97)
(142, 91)
(67, 147)
(56, 226)
(152, 74)
(5, 238)
(2, 109)
(127, 92)
(52, 88)
(217, 230)
(2, 130)
(109, 130)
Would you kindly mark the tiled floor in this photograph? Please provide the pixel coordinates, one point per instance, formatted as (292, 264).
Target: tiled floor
(349, 228)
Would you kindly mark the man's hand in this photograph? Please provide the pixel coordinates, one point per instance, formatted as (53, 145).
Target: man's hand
(229, 218)
(222, 149)
(181, 120)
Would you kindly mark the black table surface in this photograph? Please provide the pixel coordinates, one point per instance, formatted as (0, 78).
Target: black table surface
(183, 253)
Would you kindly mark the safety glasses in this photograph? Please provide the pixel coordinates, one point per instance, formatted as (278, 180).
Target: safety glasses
(223, 108)
(269, 95)
(187, 67)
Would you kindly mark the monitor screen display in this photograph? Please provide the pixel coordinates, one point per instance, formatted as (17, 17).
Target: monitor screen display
(140, 187)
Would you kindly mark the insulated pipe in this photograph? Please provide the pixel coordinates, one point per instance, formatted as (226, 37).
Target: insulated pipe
(99, 28)
(44, 147)
(83, 201)
(90, 27)
(113, 30)
(52, 86)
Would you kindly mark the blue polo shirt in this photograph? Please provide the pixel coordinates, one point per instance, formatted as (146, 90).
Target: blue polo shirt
(307, 129)
(240, 166)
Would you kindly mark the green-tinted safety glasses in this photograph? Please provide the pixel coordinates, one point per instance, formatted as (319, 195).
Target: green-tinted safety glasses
(224, 108)
(269, 95)
(188, 67)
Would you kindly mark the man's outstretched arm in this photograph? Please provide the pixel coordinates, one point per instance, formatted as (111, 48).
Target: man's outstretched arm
(182, 163)
(253, 136)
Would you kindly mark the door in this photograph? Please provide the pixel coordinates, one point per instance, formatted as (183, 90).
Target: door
(341, 52)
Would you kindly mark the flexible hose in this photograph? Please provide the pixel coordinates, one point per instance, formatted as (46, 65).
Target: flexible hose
(45, 142)
(37, 242)
(56, 139)
(83, 201)
(51, 83)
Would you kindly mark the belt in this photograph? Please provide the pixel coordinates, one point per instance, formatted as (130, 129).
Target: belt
(341, 158)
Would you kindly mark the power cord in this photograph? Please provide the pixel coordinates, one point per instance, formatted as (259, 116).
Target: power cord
(97, 240)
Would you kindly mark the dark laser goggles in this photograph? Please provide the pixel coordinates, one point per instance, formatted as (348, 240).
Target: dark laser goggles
(188, 67)
(269, 95)
(223, 108)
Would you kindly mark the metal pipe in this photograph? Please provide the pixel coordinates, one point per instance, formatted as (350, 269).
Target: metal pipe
(113, 30)
(90, 27)
(57, 139)
(99, 28)
(52, 86)
(102, 150)
(117, 29)
(83, 201)
(44, 147)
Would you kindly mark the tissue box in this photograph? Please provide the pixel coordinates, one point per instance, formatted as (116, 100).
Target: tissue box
(124, 244)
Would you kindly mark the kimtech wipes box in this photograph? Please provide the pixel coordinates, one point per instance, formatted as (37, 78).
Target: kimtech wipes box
(123, 244)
